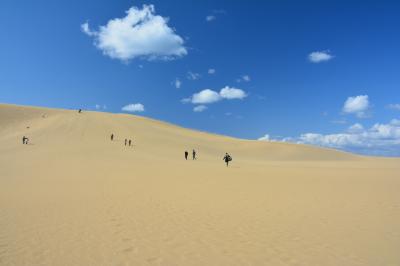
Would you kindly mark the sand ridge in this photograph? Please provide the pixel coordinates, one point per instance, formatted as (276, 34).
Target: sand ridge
(73, 197)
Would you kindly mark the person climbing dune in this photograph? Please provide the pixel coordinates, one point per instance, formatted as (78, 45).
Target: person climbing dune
(227, 158)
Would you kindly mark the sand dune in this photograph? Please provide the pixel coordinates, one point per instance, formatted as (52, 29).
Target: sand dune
(73, 197)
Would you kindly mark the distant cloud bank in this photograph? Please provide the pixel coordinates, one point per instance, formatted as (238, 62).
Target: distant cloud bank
(380, 139)
(140, 34)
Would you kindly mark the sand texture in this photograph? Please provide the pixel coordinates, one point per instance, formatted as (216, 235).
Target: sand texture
(73, 197)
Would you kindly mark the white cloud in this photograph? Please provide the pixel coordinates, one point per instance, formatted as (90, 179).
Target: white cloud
(199, 108)
(99, 107)
(394, 106)
(177, 83)
(211, 71)
(210, 18)
(186, 100)
(205, 96)
(85, 29)
(358, 105)
(193, 76)
(245, 78)
(356, 128)
(232, 93)
(380, 139)
(266, 137)
(208, 96)
(320, 56)
(133, 107)
(141, 33)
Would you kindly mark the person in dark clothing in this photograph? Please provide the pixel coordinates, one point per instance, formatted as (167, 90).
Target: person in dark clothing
(23, 139)
(112, 137)
(80, 111)
(186, 155)
(125, 141)
(194, 155)
(130, 141)
(227, 158)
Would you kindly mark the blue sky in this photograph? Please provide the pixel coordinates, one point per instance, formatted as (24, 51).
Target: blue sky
(318, 72)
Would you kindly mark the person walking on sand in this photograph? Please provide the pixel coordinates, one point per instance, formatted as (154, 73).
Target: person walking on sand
(125, 141)
(23, 139)
(186, 155)
(112, 137)
(130, 141)
(194, 155)
(227, 158)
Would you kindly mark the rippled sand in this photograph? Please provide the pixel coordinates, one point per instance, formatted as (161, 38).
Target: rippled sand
(73, 197)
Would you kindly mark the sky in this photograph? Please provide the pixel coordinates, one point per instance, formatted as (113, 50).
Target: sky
(325, 73)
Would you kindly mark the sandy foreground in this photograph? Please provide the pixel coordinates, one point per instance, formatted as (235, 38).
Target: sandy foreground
(73, 197)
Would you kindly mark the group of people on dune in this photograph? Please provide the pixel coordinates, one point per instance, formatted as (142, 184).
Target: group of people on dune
(128, 142)
(227, 158)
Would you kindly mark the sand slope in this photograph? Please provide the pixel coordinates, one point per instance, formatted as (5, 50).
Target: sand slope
(73, 197)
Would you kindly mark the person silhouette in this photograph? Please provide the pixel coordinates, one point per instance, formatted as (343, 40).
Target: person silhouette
(186, 155)
(125, 141)
(194, 155)
(112, 137)
(130, 142)
(23, 139)
(227, 158)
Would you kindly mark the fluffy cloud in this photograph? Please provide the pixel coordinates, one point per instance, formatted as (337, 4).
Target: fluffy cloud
(380, 139)
(358, 105)
(205, 96)
(211, 71)
(199, 108)
(133, 107)
(232, 93)
(177, 83)
(208, 96)
(320, 56)
(193, 76)
(394, 106)
(141, 33)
